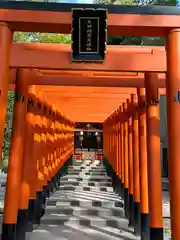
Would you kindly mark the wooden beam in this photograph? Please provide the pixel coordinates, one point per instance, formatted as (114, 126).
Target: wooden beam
(53, 56)
(58, 18)
(90, 91)
(91, 81)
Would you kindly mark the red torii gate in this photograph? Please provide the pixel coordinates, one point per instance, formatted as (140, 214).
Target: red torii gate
(34, 75)
(129, 24)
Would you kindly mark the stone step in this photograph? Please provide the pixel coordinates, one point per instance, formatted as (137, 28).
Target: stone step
(92, 193)
(74, 231)
(88, 188)
(86, 195)
(92, 168)
(86, 183)
(86, 165)
(87, 174)
(119, 233)
(90, 211)
(76, 201)
(96, 173)
(85, 220)
(78, 168)
(87, 170)
(87, 178)
(76, 171)
(77, 164)
(97, 202)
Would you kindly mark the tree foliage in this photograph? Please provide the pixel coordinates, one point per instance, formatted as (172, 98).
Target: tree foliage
(121, 40)
(41, 37)
(116, 2)
(134, 40)
(8, 125)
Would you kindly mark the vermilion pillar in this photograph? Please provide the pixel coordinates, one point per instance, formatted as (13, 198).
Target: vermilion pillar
(122, 150)
(143, 163)
(126, 156)
(112, 149)
(22, 219)
(130, 165)
(135, 140)
(13, 184)
(5, 44)
(173, 129)
(105, 139)
(119, 154)
(29, 152)
(153, 157)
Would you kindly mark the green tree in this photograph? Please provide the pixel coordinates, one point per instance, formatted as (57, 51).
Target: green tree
(8, 126)
(116, 2)
(121, 40)
(134, 40)
(41, 37)
(53, 38)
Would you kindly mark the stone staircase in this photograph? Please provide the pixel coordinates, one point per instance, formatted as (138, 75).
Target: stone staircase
(84, 207)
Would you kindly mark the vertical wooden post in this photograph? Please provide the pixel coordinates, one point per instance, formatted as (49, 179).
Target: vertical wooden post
(34, 179)
(58, 146)
(153, 157)
(54, 179)
(122, 151)
(38, 174)
(105, 139)
(173, 130)
(109, 131)
(112, 150)
(47, 150)
(55, 149)
(49, 144)
(28, 152)
(130, 165)
(135, 140)
(126, 156)
(110, 140)
(5, 47)
(13, 184)
(119, 154)
(22, 219)
(44, 149)
(143, 164)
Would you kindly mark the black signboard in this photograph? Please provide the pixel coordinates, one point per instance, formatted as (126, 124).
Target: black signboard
(89, 34)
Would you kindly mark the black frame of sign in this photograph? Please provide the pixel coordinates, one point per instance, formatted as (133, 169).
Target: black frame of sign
(89, 35)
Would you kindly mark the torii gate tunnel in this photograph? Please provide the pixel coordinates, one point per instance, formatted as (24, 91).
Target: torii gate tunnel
(128, 83)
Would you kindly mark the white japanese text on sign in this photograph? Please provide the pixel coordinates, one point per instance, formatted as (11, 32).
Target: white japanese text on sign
(89, 36)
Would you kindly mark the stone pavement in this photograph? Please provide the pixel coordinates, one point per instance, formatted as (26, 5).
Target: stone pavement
(85, 207)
